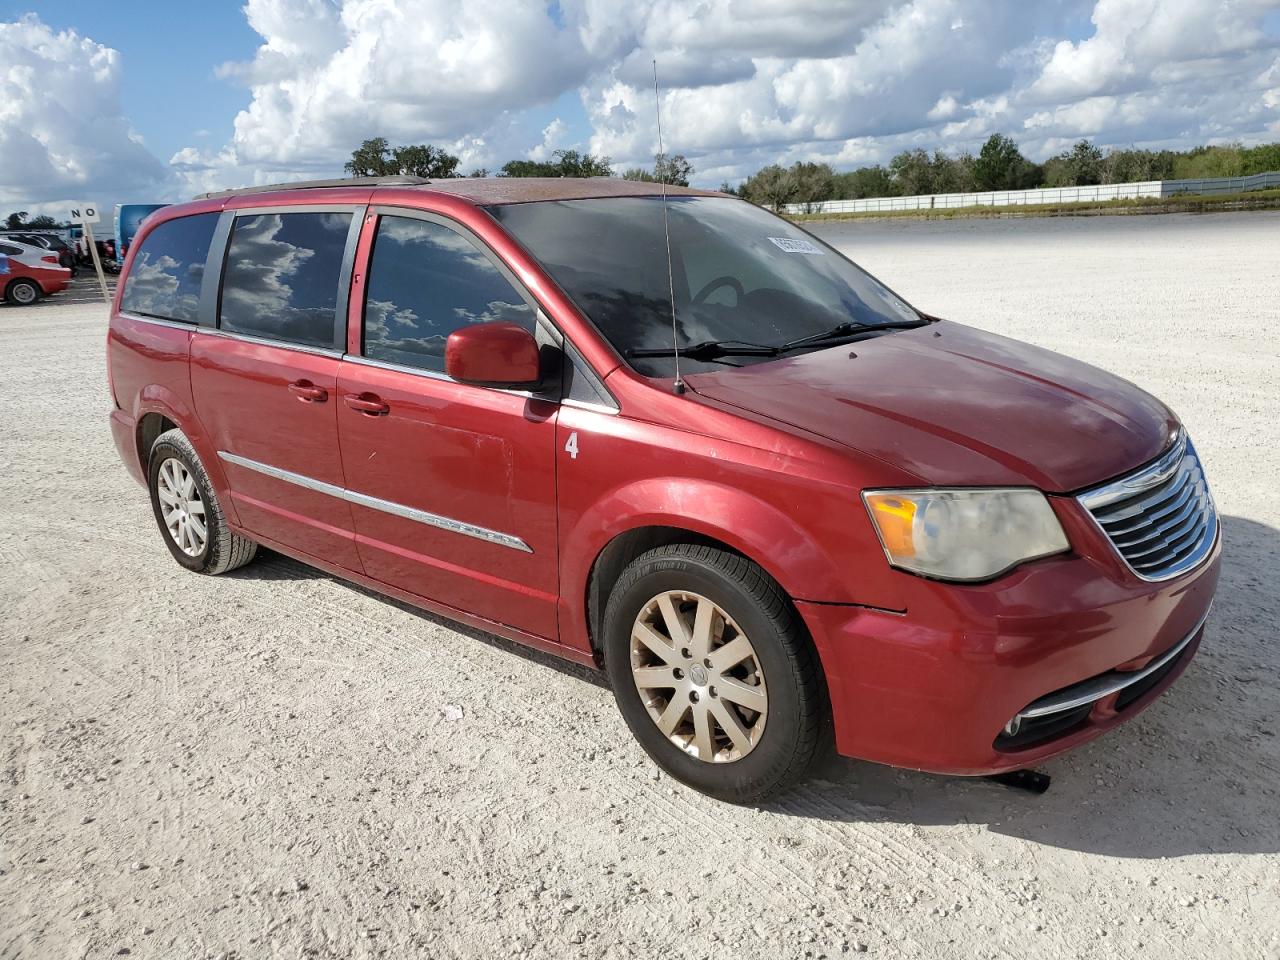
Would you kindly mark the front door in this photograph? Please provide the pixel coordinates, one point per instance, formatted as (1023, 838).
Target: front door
(265, 381)
(452, 487)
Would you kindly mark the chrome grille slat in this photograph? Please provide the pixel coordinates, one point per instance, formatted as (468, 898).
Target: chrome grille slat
(1182, 483)
(1189, 514)
(1160, 518)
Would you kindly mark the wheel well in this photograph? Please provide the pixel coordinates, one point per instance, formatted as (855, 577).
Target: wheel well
(615, 557)
(150, 426)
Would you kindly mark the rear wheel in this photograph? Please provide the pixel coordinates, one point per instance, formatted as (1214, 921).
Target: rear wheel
(23, 292)
(714, 672)
(187, 510)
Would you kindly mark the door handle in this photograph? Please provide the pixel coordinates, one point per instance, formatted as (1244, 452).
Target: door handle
(308, 392)
(370, 404)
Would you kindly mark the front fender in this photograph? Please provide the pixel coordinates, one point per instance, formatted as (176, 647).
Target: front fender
(742, 521)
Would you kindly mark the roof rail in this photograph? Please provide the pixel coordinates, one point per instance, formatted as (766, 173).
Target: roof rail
(396, 181)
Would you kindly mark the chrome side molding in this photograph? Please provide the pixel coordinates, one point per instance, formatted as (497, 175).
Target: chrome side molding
(376, 503)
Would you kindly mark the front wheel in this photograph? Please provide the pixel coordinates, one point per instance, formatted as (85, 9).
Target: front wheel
(23, 292)
(714, 672)
(187, 510)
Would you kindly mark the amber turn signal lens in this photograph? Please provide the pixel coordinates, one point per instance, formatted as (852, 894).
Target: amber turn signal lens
(895, 518)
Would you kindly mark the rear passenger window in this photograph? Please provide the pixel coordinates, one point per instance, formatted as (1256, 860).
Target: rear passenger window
(426, 281)
(281, 278)
(164, 280)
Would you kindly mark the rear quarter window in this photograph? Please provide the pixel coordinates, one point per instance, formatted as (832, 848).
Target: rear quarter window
(164, 280)
(282, 276)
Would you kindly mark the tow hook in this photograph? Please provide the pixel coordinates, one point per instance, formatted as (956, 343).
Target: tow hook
(1029, 780)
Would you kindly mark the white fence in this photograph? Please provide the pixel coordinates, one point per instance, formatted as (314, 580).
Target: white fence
(1004, 198)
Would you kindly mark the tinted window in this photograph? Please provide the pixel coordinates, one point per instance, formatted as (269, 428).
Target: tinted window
(738, 273)
(10, 251)
(164, 280)
(425, 281)
(281, 278)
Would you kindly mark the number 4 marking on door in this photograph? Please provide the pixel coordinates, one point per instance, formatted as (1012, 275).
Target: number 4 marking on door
(571, 445)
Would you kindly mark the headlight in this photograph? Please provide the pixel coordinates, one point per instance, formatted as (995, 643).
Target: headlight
(964, 534)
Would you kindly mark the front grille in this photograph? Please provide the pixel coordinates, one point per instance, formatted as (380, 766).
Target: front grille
(1160, 518)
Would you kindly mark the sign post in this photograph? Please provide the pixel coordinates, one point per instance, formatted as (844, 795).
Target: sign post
(86, 214)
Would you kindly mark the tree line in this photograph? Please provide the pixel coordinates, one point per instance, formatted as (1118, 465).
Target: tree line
(377, 158)
(1000, 165)
(18, 221)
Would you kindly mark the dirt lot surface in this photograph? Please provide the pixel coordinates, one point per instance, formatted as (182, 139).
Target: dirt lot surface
(271, 764)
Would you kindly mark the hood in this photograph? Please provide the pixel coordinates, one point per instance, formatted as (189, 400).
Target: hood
(956, 406)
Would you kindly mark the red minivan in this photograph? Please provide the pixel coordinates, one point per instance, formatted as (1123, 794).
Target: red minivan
(678, 438)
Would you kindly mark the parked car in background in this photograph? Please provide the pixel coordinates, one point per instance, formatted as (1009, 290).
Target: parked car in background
(28, 273)
(834, 517)
(50, 241)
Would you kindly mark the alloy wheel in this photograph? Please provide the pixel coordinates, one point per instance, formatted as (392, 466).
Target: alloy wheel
(698, 676)
(182, 508)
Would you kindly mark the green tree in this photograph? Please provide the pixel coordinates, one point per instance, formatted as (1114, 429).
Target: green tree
(774, 186)
(16, 221)
(421, 160)
(863, 182)
(1000, 165)
(912, 173)
(814, 183)
(377, 158)
(1081, 166)
(43, 222)
(675, 170)
(479, 172)
(564, 163)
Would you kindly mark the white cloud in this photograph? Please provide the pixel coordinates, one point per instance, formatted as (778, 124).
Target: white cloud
(63, 133)
(744, 83)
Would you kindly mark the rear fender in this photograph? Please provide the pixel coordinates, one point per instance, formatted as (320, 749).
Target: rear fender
(156, 398)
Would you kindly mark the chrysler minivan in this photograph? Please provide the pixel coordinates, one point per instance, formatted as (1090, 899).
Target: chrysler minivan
(673, 436)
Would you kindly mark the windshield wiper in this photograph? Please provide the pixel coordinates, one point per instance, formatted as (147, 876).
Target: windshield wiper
(709, 350)
(842, 331)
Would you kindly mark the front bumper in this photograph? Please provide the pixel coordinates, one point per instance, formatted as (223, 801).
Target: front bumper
(935, 687)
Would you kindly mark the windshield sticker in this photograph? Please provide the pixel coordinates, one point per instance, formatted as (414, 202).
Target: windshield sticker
(787, 245)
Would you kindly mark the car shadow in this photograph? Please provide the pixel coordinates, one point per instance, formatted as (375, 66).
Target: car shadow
(272, 566)
(1197, 772)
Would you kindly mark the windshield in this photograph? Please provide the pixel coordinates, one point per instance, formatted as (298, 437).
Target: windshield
(740, 274)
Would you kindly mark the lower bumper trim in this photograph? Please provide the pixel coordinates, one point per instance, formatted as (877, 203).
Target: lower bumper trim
(1088, 692)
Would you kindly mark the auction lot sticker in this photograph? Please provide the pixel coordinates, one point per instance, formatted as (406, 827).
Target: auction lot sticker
(787, 245)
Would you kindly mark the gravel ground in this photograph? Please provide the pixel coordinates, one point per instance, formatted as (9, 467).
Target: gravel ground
(274, 763)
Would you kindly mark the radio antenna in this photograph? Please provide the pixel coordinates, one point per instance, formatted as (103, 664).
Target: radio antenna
(678, 386)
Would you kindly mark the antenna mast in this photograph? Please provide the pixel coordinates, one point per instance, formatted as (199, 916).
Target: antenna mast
(678, 386)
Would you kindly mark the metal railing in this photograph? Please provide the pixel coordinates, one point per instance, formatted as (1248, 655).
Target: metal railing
(1011, 198)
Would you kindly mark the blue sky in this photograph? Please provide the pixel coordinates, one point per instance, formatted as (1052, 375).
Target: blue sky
(148, 99)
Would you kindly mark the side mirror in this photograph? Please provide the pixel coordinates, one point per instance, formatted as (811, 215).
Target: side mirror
(497, 354)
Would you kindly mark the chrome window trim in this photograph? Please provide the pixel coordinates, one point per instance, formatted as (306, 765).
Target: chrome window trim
(1089, 691)
(587, 405)
(376, 503)
(443, 377)
(268, 342)
(159, 321)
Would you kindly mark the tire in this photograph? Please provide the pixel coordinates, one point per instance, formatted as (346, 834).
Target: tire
(173, 458)
(785, 735)
(23, 292)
